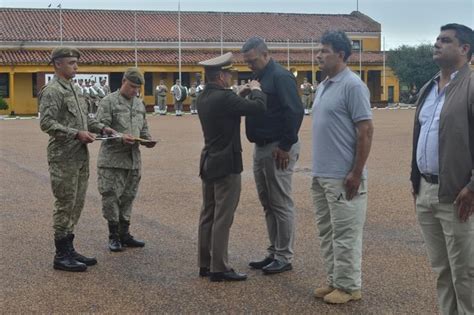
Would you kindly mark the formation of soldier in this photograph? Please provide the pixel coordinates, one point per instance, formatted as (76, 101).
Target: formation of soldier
(93, 92)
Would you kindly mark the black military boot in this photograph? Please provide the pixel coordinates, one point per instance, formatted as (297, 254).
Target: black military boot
(89, 261)
(63, 259)
(126, 238)
(114, 239)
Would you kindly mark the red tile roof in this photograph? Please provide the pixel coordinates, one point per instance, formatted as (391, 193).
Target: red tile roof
(167, 57)
(161, 26)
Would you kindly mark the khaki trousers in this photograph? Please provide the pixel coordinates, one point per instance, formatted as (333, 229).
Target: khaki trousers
(340, 223)
(450, 246)
(274, 192)
(220, 199)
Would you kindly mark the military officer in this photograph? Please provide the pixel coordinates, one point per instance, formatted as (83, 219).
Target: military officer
(306, 89)
(64, 117)
(161, 92)
(119, 163)
(193, 96)
(219, 111)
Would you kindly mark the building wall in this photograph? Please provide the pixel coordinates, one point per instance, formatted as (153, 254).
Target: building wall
(21, 92)
(369, 44)
(25, 103)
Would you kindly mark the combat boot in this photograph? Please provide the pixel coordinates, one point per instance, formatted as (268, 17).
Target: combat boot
(89, 261)
(63, 259)
(126, 238)
(114, 239)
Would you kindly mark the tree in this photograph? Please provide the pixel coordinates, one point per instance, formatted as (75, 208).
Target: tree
(413, 65)
(3, 104)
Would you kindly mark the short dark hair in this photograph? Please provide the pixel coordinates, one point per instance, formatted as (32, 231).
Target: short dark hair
(338, 41)
(464, 34)
(256, 43)
(212, 74)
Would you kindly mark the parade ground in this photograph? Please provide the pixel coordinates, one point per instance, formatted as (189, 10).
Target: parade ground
(163, 276)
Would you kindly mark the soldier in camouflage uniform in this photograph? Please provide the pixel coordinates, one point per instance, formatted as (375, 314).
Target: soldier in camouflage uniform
(119, 160)
(105, 88)
(161, 92)
(193, 96)
(64, 117)
(235, 87)
(306, 89)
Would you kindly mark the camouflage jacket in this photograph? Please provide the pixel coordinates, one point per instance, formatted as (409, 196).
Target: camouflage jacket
(192, 93)
(306, 88)
(63, 114)
(115, 112)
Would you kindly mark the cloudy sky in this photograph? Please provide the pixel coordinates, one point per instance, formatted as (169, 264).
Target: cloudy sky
(408, 22)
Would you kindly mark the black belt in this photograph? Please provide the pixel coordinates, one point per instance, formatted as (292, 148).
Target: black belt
(264, 142)
(432, 179)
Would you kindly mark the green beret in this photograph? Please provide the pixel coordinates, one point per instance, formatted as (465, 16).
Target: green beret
(134, 75)
(63, 51)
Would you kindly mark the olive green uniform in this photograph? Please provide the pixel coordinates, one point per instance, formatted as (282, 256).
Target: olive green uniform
(118, 163)
(63, 114)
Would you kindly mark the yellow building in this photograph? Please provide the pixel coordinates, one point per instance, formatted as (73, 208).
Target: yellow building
(112, 40)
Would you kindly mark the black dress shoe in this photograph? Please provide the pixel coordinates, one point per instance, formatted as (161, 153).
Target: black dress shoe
(277, 266)
(204, 272)
(230, 275)
(261, 263)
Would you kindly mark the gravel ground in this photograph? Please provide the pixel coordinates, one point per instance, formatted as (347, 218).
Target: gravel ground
(162, 277)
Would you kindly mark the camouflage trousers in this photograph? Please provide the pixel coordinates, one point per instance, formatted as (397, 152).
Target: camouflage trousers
(69, 180)
(161, 102)
(118, 188)
(306, 100)
(193, 104)
(178, 106)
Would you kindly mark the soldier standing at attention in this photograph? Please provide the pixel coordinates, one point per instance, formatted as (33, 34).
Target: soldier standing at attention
(306, 89)
(161, 92)
(119, 162)
(64, 117)
(235, 87)
(105, 87)
(176, 91)
(193, 95)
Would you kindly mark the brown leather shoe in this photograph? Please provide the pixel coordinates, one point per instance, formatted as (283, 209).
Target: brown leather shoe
(323, 291)
(341, 297)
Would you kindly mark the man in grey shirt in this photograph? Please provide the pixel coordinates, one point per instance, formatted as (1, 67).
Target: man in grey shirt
(342, 136)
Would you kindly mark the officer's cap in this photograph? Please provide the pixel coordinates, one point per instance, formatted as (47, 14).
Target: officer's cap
(223, 63)
(63, 51)
(134, 75)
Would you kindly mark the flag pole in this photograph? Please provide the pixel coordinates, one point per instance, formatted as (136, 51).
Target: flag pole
(179, 39)
(135, 35)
